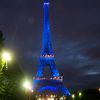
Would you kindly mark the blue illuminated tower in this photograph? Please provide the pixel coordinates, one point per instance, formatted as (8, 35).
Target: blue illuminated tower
(47, 54)
(41, 82)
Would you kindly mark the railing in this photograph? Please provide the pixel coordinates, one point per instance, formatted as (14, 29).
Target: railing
(47, 56)
(60, 78)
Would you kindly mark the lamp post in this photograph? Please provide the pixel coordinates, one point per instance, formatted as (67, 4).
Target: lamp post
(80, 95)
(73, 96)
(28, 88)
(6, 57)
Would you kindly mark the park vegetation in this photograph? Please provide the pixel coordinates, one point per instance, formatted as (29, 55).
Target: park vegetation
(11, 78)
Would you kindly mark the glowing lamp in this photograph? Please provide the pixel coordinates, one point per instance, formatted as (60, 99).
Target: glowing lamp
(27, 85)
(80, 94)
(6, 56)
(73, 96)
(99, 89)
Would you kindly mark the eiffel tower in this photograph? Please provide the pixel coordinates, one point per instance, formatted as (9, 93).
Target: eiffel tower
(55, 82)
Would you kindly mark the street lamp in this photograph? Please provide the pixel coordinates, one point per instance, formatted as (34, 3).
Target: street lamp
(99, 89)
(28, 88)
(6, 57)
(27, 85)
(73, 96)
(80, 94)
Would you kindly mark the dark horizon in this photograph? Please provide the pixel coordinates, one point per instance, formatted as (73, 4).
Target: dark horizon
(75, 27)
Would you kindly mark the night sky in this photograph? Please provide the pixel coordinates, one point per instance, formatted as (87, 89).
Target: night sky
(75, 27)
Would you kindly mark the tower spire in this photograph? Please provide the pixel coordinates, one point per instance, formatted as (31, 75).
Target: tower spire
(46, 46)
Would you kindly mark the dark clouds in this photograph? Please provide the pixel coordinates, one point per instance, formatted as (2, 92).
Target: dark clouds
(75, 25)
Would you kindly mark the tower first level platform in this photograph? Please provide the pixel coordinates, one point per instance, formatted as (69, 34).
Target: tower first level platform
(49, 86)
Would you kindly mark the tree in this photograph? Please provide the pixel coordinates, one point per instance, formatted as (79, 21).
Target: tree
(2, 90)
(13, 78)
(1, 47)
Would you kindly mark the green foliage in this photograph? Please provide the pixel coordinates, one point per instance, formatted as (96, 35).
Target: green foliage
(2, 87)
(10, 79)
(1, 47)
(13, 75)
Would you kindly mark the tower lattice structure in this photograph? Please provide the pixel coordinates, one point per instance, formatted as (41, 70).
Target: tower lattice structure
(41, 82)
(47, 54)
